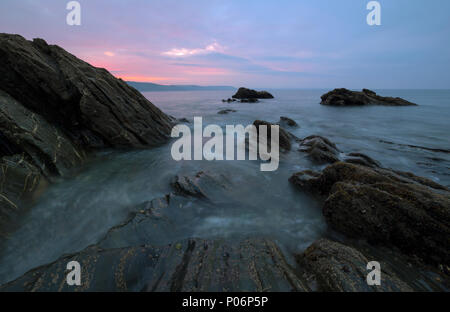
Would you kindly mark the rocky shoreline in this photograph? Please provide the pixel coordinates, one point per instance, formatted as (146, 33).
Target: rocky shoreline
(71, 109)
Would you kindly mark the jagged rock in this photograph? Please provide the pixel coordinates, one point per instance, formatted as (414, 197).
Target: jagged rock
(320, 149)
(385, 207)
(285, 121)
(229, 100)
(285, 137)
(18, 179)
(201, 185)
(44, 145)
(226, 111)
(183, 120)
(337, 267)
(189, 265)
(88, 104)
(362, 159)
(345, 97)
(244, 93)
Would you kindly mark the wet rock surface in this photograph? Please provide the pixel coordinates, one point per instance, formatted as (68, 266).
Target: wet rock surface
(345, 97)
(285, 137)
(244, 93)
(87, 103)
(385, 207)
(287, 122)
(189, 265)
(226, 111)
(333, 266)
(18, 179)
(320, 149)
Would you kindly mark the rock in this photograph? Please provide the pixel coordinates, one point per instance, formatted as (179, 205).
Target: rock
(148, 225)
(42, 144)
(285, 137)
(385, 207)
(345, 97)
(244, 93)
(337, 267)
(18, 179)
(320, 149)
(183, 120)
(201, 185)
(88, 104)
(285, 121)
(189, 265)
(249, 101)
(362, 159)
(229, 100)
(226, 111)
(305, 180)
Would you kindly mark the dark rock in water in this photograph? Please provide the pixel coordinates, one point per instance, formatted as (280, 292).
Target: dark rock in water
(320, 149)
(337, 267)
(189, 265)
(249, 100)
(202, 185)
(41, 143)
(88, 104)
(285, 121)
(148, 225)
(386, 207)
(244, 93)
(226, 111)
(183, 120)
(345, 97)
(229, 100)
(305, 180)
(285, 137)
(18, 179)
(362, 159)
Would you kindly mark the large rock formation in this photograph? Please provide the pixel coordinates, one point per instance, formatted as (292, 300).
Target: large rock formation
(189, 265)
(244, 93)
(345, 97)
(90, 105)
(334, 267)
(54, 108)
(385, 207)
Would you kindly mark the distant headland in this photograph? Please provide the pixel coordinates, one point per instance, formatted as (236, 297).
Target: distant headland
(148, 86)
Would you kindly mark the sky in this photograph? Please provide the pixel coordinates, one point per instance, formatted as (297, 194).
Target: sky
(258, 44)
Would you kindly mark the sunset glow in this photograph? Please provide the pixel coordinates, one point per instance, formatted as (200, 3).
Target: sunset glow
(300, 44)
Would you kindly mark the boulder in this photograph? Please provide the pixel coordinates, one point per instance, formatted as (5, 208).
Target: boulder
(41, 143)
(287, 122)
(362, 159)
(320, 149)
(202, 184)
(345, 97)
(226, 111)
(244, 93)
(386, 207)
(335, 267)
(285, 137)
(88, 104)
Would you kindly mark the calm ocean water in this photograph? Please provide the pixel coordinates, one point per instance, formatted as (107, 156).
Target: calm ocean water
(78, 211)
